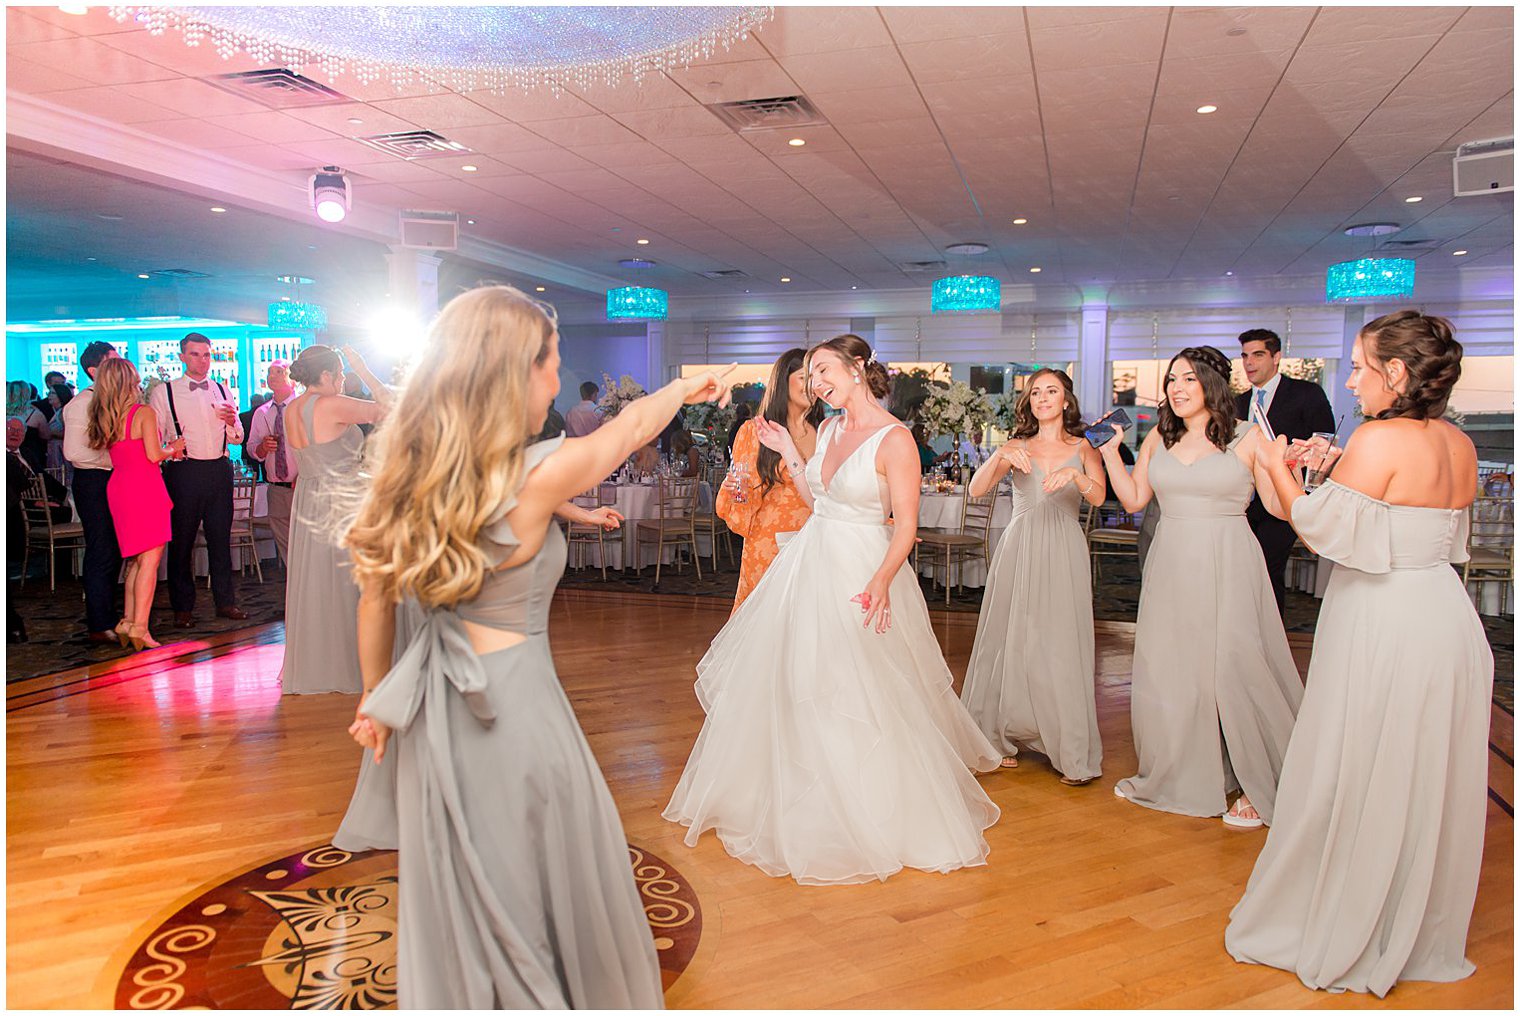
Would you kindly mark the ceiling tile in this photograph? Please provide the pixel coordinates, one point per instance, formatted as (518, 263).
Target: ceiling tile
(398, 171)
(337, 152)
(983, 56)
(881, 66)
(676, 122)
(22, 28)
(585, 130)
(189, 97)
(653, 91)
(37, 79)
(543, 160)
(111, 104)
(1372, 25)
(733, 82)
(870, 105)
(194, 134)
(438, 112)
(90, 59)
(530, 106)
(1202, 32)
(1135, 39)
(334, 119)
(501, 139)
(927, 24)
(625, 153)
(270, 157)
(271, 126)
(798, 30)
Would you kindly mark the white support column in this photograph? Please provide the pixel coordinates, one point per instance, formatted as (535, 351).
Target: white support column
(414, 281)
(1342, 402)
(1094, 388)
(654, 343)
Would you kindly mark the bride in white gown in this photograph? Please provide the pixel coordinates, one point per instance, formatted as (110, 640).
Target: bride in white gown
(836, 751)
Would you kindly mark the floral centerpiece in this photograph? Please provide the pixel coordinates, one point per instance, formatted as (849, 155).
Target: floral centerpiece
(953, 409)
(616, 396)
(711, 420)
(1002, 411)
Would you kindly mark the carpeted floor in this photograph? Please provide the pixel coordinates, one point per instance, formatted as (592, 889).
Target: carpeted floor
(54, 621)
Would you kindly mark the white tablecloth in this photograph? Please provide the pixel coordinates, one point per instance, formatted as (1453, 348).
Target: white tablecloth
(638, 501)
(943, 511)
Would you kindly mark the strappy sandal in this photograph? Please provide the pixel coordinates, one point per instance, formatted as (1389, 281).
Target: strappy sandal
(1236, 820)
(1009, 762)
(1077, 783)
(123, 632)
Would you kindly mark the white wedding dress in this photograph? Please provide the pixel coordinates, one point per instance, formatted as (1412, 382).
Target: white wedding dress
(831, 753)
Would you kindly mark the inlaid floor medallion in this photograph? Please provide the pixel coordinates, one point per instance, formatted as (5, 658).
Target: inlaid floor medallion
(317, 930)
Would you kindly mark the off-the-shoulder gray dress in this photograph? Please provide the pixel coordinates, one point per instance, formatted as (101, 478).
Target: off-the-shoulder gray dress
(1370, 871)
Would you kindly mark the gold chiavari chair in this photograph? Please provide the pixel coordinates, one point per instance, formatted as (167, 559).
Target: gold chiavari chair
(1110, 533)
(44, 533)
(1490, 548)
(974, 536)
(581, 536)
(674, 526)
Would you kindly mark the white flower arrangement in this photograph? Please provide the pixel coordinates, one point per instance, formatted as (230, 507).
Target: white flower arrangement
(709, 419)
(1002, 410)
(616, 396)
(953, 409)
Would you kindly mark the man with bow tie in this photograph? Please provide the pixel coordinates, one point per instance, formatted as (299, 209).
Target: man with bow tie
(201, 411)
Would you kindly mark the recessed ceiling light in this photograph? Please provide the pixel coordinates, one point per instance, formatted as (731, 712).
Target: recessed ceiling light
(1020, 222)
(538, 289)
(641, 242)
(469, 222)
(74, 8)
(1036, 269)
(1208, 109)
(1372, 229)
(469, 169)
(1414, 200)
(786, 278)
(217, 208)
(1229, 273)
(967, 249)
(1458, 253)
(108, 216)
(355, 121)
(140, 275)
(796, 142)
(854, 287)
(92, 259)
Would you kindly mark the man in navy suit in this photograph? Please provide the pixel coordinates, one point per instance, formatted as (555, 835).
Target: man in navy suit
(1292, 408)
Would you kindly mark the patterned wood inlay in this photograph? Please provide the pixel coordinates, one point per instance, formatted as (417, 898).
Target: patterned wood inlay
(316, 929)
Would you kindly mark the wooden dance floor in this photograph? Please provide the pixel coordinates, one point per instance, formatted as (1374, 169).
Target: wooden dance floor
(136, 786)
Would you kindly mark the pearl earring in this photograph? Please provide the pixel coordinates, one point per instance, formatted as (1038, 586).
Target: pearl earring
(856, 376)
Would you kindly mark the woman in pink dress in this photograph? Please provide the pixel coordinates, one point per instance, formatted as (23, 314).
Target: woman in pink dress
(128, 430)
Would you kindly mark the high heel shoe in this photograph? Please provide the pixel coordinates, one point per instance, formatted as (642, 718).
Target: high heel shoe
(123, 628)
(140, 639)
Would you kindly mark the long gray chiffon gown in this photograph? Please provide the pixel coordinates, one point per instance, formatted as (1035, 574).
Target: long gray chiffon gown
(1369, 875)
(321, 598)
(1030, 680)
(516, 890)
(1215, 689)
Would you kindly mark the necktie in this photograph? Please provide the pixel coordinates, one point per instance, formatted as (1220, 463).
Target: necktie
(1261, 403)
(279, 443)
(200, 386)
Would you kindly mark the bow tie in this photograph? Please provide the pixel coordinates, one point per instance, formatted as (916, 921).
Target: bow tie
(199, 385)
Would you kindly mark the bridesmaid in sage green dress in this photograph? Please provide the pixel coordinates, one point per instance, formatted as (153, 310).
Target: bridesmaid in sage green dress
(321, 599)
(1029, 683)
(1215, 689)
(515, 884)
(1370, 873)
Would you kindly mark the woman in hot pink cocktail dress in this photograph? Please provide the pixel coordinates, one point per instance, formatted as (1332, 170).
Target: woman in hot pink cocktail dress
(140, 505)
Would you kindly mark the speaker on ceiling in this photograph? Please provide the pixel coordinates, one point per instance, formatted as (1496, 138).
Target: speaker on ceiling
(1484, 167)
(430, 230)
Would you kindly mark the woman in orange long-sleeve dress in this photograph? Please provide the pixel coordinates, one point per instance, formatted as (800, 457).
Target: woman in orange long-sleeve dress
(771, 503)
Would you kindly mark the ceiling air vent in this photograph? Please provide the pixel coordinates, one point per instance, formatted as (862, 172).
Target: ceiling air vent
(1411, 245)
(782, 112)
(724, 273)
(278, 88)
(178, 273)
(922, 266)
(415, 145)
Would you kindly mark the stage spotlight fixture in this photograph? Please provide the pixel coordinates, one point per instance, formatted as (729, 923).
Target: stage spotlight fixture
(331, 196)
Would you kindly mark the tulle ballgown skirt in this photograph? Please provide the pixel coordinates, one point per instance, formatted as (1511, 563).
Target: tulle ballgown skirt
(831, 753)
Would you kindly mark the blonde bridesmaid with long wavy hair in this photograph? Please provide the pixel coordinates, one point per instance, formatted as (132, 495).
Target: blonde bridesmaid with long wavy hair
(515, 887)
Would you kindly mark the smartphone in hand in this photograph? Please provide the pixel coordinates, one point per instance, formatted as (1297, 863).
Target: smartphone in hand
(1102, 430)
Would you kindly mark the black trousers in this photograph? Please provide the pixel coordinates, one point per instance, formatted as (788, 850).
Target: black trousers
(201, 490)
(102, 557)
(1276, 538)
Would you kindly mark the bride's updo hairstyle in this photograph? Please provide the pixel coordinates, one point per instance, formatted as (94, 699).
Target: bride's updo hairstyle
(856, 353)
(1431, 356)
(450, 453)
